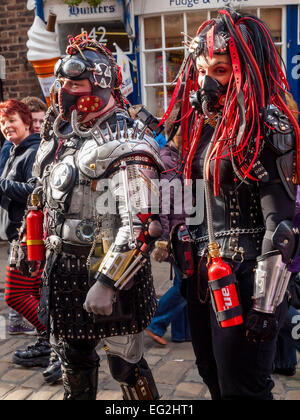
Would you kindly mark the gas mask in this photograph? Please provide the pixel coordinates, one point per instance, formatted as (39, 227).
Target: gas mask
(84, 103)
(97, 70)
(210, 98)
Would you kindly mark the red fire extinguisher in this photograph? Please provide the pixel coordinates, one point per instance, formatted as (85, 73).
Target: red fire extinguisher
(34, 223)
(225, 298)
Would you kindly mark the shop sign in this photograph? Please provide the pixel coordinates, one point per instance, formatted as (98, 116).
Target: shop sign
(107, 10)
(143, 7)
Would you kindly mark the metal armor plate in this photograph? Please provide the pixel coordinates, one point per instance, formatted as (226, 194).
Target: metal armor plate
(94, 160)
(44, 156)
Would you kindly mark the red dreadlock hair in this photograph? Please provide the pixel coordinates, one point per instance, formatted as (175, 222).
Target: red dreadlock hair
(257, 82)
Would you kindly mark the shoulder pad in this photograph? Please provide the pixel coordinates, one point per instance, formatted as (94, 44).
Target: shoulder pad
(279, 131)
(44, 156)
(98, 154)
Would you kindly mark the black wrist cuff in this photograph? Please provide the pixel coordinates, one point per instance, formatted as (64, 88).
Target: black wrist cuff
(107, 281)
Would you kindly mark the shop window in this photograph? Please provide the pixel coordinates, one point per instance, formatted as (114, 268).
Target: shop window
(153, 36)
(273, 18)
(154, 69)
(173, 29)
(174, 61)
(163, 49)
(194, 20)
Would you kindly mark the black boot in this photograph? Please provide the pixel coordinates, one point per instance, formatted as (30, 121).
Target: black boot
(36, 355)
(53, 372)
(80, 385)
(136, 379)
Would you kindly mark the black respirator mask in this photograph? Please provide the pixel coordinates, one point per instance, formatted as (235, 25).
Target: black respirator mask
(210, 98)
(97, 69)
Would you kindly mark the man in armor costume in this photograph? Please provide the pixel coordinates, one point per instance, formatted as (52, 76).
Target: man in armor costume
(94, 170)
(241, 140)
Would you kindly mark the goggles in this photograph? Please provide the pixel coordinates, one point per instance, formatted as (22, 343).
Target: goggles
(199, 44)
(71, 68)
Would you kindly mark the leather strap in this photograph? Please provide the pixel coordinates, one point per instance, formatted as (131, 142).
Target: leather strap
(77, 250)
(229, 313)
(107, 281)
(222, 282)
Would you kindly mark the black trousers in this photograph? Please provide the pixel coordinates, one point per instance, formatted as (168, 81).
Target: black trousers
(230, 365)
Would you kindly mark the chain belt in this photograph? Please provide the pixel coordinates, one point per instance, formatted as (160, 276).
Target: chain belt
(231, 233)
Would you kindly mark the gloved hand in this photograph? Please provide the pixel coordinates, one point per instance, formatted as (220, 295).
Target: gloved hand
(100, 300)
(34, 267)
(260, 326)
(27, 268)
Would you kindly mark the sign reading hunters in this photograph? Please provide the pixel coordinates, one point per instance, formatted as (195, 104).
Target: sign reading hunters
(108, 10)
(83, 11)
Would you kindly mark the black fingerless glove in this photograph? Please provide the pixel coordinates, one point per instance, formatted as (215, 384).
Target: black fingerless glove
(261, 326)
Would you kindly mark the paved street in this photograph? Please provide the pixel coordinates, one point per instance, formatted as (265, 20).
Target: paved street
(173, 367)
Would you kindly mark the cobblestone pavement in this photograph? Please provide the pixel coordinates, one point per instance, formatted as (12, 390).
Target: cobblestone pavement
(173, 367)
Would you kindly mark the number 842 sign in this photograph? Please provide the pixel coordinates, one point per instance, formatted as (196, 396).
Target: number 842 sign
(116, 34)
(97, 34)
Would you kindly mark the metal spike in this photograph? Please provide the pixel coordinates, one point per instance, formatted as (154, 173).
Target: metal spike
(186, 44)
(125, 128)
(102, 135)
(143, 133)
(118, 131)
(136, 130)
(110, 133)
(188, 36)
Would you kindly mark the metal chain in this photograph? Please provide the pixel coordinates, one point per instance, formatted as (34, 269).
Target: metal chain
(99, 220)
(232, 233)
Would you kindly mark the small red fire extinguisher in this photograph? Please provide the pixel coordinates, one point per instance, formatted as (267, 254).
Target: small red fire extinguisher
(225, 298)
(34, 224)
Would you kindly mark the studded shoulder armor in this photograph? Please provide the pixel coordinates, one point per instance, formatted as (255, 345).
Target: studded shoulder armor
(280, 137)
(279, 131)
(98, 155)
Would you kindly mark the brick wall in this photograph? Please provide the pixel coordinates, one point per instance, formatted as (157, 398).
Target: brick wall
(15, 21)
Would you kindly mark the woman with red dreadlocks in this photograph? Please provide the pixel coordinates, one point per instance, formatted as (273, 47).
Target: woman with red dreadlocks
(242, 142)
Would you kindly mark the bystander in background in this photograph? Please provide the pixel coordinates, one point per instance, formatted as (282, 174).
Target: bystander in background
(172, 305)
(22, 292)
